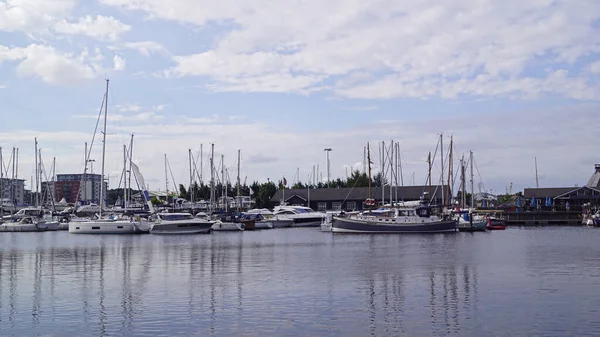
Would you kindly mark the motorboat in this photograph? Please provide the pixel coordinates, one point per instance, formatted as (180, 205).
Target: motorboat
(180, 223)
(300, 215)
(29, 224)
(260, 220)
(394, 220)
(472, 222)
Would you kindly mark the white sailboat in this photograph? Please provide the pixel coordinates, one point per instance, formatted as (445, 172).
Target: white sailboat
(114, 224)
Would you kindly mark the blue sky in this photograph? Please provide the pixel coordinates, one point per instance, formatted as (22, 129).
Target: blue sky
(510, 80)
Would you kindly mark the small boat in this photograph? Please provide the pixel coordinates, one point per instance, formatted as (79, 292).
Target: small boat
(227, 226)
(495, 226)
(300, 215)
(180, 223)
(470, 222)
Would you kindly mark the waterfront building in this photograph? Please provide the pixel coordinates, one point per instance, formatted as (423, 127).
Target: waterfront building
(87, 187)
(13, 189)
(350, 199)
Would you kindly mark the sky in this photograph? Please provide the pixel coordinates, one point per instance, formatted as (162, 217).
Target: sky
(512, 81)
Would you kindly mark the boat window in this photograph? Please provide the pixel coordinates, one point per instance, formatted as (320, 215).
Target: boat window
(119, 226)
(95, 227)
(176, 216)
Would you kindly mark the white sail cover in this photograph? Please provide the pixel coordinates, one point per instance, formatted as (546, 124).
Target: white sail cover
(142, 184)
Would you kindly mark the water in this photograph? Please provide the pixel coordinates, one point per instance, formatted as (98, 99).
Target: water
(290, 282)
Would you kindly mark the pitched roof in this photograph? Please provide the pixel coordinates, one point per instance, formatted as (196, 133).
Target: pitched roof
(551, 192)
(358, 193)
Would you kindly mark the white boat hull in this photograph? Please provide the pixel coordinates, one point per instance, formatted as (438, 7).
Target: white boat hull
(228, 226)
(263, 225)
(281, 223)
(17, 227)
(107, 227)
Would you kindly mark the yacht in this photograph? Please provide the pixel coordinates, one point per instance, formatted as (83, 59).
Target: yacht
(180, 223)
(300, 215)
(30, 219)
(114, 224)
(393, 220)
(227, 222)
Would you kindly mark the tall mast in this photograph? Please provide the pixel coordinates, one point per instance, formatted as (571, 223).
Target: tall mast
(223, 186)
(450, 172)
(54, 179)
(537, 182)
(166, 178)
(472, 185)
(12, 180)
(191, 176)
(239, 203)
(37, 199)
(124, 176)
(391, 160)
(442, 161)
(1, 177)
(400, 164)
(369, 169)
(103, 149)
(428, 173)
(212, 176)
(130, 168)
(201, 155)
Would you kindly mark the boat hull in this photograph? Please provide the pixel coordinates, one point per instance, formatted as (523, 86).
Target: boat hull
(281, 223)
(307, 222)
(478, 226)
(341, 225)
(228, 226)
(8, 227)
(182, 227)
(263, 225)
(106, 227)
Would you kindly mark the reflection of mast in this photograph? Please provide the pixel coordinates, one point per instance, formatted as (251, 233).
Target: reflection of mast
(102, 309)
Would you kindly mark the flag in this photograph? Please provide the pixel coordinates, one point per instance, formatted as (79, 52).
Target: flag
(251, 191)
(284, 182)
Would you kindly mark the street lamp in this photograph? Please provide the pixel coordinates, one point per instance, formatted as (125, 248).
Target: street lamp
(328, 167)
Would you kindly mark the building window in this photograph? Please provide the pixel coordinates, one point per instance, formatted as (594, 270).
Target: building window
(322, 206)
(351, 205)
(336, 206)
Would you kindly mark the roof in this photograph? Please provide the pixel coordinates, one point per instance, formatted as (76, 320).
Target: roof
(551, 192)
(595, 178)
(357, 193)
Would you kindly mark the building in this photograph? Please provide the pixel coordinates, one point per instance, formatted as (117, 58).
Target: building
(349, 199)
(13, 189)
(79, 187)
(564, 198)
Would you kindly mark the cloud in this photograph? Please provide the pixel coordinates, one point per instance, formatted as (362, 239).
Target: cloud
(118, 63)
(143, 47)
(32, 15)
(407, 49)
(595, 67)
(139, 117)
(53, 66)
(503, 153)
(364, 108)
(2, 86)
(99, 27)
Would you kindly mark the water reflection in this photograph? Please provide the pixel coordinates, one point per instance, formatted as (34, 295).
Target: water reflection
(287, 282)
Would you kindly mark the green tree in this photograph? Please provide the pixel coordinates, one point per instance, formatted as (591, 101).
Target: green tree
(265, 193)
(183, 193)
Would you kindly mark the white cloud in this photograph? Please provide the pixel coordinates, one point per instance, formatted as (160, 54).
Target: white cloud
(32, 15)
(143, 47)
(503, 153)
(408, 49)
(118, 63)
(2, 86)
(51, 65)
(595, 67)
(99, 27)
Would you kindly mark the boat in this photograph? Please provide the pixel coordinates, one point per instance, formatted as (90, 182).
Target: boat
(180, 223)
(259, 219)
(394, 220)
(470, 222)
(274, 220)
(495, 227)
(400, 219)
(228, 222)
(301, 216)
(29, 224)
(116, 223)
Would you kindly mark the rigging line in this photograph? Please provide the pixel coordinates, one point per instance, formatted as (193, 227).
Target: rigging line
(172, 177)
(431, 162)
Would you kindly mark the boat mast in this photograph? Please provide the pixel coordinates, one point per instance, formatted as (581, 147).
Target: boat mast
(537, 182)
(450, 172)
(212, 176)
(369, 170)
(442, 162)
(130, 167)
(124, 176)
(191, 176)
(103, 149)
(472, 186)
(223, 186)
(201, 155)
(382, 173)
(37, 172)
(429, 174)
(239, 202)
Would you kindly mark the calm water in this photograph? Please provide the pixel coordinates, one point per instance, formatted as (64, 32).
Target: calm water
(290, 282)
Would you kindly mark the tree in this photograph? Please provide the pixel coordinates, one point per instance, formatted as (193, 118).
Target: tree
(357, 179)
(183, 193)
(265, 193)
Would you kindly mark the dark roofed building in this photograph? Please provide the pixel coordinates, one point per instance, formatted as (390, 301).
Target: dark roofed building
(348, 199)
(551, 192)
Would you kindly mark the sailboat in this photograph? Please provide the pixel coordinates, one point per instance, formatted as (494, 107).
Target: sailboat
(114, 224)
(225, 221)
(470, 222)
(402, 219)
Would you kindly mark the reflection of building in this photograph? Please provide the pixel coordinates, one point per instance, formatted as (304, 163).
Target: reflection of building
(13, 189)
(69, 186)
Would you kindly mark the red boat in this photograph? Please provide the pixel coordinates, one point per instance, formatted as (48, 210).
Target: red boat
(495, 225)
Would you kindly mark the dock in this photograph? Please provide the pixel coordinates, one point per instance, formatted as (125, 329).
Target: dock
(543, 218)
